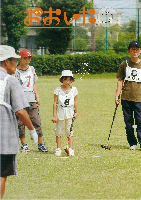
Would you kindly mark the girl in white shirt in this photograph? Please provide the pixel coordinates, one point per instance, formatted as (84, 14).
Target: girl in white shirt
(65, 98)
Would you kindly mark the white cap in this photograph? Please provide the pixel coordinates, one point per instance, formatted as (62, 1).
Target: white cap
(7, 52)
(66, 73)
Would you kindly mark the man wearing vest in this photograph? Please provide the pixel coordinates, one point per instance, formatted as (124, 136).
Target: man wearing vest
(12, 101)
(129, 81)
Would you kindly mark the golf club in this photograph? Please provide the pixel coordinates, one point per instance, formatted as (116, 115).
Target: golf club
(67, 148)
(106, 146)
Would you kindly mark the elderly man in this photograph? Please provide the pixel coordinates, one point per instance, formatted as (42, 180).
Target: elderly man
(12, 101)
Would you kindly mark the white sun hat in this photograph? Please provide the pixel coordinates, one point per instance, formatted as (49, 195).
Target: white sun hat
(7, 52)
(67, 73)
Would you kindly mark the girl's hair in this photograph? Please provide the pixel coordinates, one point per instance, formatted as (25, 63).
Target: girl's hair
(65, 77)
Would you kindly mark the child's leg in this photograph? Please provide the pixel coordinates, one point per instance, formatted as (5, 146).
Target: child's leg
(59, 132)
(22, 140)
(21, 128)
(70, 142)
(40, 139)
(58, 141)
(36, 120)
(69, 131)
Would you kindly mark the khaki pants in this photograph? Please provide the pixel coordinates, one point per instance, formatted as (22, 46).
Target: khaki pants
(68, 125)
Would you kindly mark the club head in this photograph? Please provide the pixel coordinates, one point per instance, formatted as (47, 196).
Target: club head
(106, 147)
(67, 151)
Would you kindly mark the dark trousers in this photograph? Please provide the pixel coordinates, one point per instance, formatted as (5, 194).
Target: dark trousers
(128, 107)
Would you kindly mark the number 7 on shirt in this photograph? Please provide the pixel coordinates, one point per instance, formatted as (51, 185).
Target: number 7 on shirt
(29, 80)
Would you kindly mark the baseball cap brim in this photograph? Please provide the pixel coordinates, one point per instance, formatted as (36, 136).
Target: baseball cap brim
(27, 56)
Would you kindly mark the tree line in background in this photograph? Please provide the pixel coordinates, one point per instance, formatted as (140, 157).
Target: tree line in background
(54, 64)
(12, 16)
(56, 40)
(59, 40)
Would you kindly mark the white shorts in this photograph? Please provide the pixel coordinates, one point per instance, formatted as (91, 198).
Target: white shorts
(68, 127)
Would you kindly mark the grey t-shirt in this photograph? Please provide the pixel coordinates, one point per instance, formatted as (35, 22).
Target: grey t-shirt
(14, 95)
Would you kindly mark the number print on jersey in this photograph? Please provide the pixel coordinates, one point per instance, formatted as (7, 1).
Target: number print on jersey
(67, 102)
(29, 80)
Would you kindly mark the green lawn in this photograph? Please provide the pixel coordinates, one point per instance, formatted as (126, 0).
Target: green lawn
(94, 173)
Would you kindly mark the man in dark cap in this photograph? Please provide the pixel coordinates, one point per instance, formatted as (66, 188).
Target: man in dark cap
(129, 81)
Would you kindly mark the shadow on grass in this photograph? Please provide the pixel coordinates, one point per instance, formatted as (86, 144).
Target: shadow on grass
(39, 152)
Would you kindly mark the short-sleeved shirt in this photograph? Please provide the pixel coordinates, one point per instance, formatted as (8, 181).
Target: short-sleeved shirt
(131, 90)
(27, 79)
(14, 96)
(65, 102)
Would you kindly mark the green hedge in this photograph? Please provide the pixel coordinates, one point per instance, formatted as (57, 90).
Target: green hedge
(99, 62)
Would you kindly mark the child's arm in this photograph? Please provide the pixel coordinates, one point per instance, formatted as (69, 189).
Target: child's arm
(36, 94)
(55, 119)
(76, 107)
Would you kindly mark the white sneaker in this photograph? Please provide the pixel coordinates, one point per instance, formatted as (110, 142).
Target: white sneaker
(58, 152)
(71, 152)
(134, 147)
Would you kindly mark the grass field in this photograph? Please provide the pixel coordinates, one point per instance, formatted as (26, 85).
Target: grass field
(94, 173)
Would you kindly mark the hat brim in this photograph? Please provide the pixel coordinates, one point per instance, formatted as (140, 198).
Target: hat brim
(16, 56)
(134, 46)
(66, 75)
(13, 56)
(27, 56)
